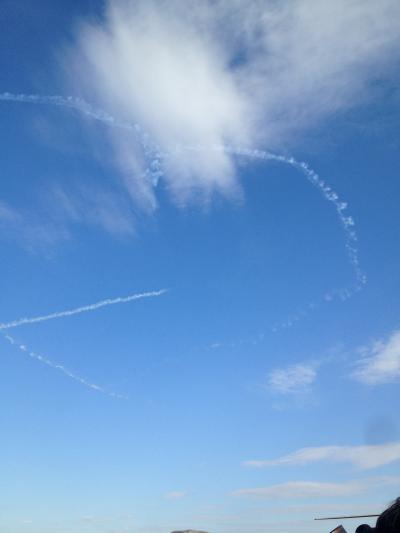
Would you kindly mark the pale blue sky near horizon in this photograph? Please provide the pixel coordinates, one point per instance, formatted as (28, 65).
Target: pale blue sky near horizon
(245, 357)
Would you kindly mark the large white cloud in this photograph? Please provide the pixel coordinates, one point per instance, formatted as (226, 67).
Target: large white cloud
(150, 63)
(226, 72)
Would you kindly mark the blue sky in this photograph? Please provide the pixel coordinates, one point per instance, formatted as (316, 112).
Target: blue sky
(261, 389)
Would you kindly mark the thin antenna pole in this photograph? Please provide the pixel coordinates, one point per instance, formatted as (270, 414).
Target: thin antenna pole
(354, 516)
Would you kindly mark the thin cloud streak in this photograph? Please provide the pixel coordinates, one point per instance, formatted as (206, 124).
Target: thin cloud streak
(175, 495)
(363, 457)
(316, 489)
(61, 368)
(65, 209)
(83, 309)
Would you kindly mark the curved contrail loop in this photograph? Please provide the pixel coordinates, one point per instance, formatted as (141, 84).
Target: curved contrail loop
(155, 155)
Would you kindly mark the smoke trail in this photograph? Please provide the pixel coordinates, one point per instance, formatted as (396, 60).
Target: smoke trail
(83, 309)
(70, 102)
(151, 150)
(328, 193)
(156, 156)
(346, 221)
(46, 361)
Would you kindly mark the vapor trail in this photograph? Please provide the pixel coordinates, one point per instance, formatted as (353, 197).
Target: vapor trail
(155, 155)
(83, 309)
(70, 102)
(61, 368)
(328, 193)
(151, 150)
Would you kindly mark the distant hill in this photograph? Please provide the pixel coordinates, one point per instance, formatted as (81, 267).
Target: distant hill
(189, 531)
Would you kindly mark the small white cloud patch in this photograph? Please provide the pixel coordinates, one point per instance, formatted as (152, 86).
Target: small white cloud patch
(380, 363)
(295, 379)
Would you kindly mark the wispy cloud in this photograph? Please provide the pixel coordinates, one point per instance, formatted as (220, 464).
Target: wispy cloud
(295, 379)
(363, 457)
(175, 495)
(61, 208)
(316, 489)
(89, 204)
(27, 227)
(8, 214)
(243, 71)
(83, 309)
(380, 362)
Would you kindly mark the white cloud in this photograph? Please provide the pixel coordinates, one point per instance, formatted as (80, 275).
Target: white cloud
(315, 58)
(363, 457)
(175, 495)
(226, 72)
(26, 226)
(151, 64)
(93, 206)
(380, 363)
(315, 489)
(295, 379)
(62, 209)
(8, 215)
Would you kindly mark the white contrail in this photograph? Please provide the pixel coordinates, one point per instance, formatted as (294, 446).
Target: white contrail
(155, 155)
(328, 193)
(83, 309)
(151, 150)
(346, 221)
(61, 368)
(71, 102)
